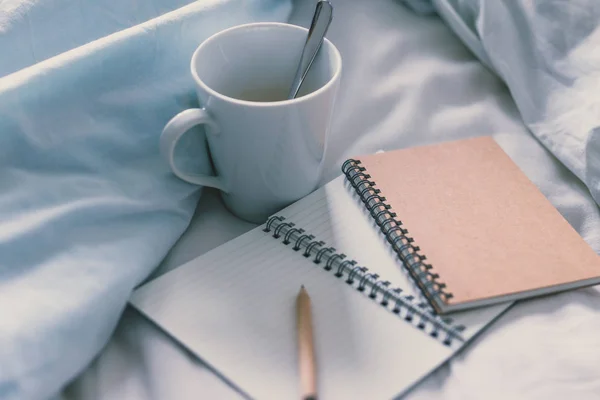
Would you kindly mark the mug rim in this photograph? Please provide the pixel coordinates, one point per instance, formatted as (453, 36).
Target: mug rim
(307, 97)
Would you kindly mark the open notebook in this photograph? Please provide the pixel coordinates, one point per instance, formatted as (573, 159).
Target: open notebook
(375, 336)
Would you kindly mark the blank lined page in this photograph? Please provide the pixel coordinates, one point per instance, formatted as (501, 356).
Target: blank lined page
(235, 308)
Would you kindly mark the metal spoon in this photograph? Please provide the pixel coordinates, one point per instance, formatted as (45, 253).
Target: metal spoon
(318, 28)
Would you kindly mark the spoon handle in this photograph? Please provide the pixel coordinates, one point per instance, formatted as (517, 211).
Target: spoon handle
(316, 33)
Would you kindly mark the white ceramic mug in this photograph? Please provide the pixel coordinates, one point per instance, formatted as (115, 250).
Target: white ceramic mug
(267, 151)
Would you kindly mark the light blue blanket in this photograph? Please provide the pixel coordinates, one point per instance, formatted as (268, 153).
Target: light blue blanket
(87, 207)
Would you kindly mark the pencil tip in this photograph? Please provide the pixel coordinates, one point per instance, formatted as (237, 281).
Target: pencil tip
(301, 286)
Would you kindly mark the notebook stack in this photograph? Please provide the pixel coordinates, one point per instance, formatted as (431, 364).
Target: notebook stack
(407, 256)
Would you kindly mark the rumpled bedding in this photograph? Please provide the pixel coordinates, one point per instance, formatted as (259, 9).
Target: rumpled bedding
(546, 52)
(87, 207)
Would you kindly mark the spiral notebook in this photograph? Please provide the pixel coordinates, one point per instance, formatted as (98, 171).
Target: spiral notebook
(376, 335)
(470, 227)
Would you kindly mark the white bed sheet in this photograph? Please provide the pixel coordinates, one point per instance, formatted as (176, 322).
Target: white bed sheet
(407, 80)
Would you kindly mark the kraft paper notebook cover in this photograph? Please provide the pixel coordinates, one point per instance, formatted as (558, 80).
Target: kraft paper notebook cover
(471, 228)
(375, 335)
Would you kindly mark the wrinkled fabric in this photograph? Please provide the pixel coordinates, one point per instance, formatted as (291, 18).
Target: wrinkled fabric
(87, 207)
(547, 54)
(35, 30)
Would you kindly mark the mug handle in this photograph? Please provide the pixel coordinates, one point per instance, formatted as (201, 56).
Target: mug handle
(174, 130)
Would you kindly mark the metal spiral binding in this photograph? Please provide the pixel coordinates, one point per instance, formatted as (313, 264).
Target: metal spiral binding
(363, 280)
(396, 235)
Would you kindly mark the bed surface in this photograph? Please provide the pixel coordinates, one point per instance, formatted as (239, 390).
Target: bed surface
(407, 80)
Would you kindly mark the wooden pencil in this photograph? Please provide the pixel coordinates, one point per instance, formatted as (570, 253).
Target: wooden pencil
(306, 351)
